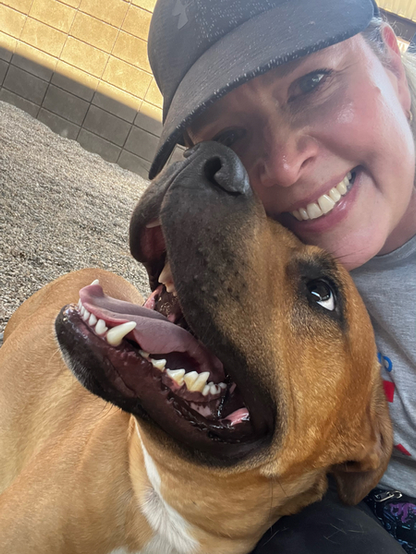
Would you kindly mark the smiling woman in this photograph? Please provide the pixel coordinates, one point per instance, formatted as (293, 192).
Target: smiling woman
(317, 101)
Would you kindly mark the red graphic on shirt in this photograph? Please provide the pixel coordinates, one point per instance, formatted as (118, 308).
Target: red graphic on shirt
(389, 388)
(402, 449)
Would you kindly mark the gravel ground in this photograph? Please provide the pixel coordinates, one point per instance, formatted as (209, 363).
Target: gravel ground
(61, 208)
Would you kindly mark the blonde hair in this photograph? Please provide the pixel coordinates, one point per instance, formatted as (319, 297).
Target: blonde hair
(373, 35)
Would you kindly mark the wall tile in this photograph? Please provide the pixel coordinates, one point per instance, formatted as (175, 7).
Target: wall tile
(137, 22)
(127, 77)
(149, 118)
(12, 22)
(145, 4)
(100, 146)
(142, 144)
(112, 12)
(58, 124)
(65, 104)
(53, 13)
(72, 86)
(77, 76)
(43, 37)
(84, 56)
(19, 102)
(107, 125)
(132, 50)
(25, 85)
(7, 46)
(121, 105)
(134, 163)
(35, 61)
(22, 6)
(94, 32)
(153, 95)
(3, 70)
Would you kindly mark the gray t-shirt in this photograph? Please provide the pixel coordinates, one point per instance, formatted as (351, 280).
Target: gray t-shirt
(387, 285)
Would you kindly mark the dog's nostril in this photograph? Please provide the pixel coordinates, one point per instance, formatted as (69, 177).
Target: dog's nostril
(228, 174)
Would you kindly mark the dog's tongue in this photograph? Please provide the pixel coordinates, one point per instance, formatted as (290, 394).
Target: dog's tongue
(154, 333)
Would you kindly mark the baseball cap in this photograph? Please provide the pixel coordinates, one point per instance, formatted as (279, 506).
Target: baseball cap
(201, 49)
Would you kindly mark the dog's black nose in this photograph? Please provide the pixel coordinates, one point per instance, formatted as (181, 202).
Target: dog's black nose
(220, 166)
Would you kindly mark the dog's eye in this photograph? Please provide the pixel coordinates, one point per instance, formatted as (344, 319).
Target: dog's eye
(321, 292)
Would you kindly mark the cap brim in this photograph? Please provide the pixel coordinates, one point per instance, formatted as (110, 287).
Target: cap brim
(272, 38)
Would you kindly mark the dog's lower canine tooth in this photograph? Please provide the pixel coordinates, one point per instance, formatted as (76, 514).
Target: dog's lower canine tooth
(116, 334)
(176, 375)
(158, 364)
(95, 282)
(144, 354)
(86, 315)
(92, 320)
(101, 327)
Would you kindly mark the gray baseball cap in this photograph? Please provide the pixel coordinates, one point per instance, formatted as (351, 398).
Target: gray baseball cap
(201, 49)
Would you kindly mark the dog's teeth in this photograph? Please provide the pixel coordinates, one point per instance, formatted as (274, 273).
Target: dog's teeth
(206, 390)
(116, 334)
(154, 223)
(214, 389)
(196, 382)
(86, 315)
(95, 282)
(101, 327)
(158, 364)
(79, 304)
(92, 320)
(222, 386)
(177, 375)
(144, 354)
(166, 279)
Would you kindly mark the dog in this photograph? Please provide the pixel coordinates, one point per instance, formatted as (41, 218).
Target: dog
(191, 424)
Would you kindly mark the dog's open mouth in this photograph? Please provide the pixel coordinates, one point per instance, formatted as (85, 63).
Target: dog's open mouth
(149, 355)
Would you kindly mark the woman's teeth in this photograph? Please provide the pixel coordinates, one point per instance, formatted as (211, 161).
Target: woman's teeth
(326, 203)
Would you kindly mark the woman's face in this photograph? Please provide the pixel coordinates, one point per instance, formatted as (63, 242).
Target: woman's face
(328, 147)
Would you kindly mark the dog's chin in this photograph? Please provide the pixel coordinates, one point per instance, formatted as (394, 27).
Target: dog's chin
(181, 389)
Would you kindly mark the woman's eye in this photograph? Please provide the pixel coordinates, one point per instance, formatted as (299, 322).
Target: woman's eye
(321, 292)
(310, 82)
(230, 137)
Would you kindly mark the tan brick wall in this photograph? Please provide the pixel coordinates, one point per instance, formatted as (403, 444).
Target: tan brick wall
(81, 67)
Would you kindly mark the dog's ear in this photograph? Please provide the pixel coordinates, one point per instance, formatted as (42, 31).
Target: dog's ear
(357, 477)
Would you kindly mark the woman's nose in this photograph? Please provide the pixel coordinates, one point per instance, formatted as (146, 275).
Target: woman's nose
(287, 155)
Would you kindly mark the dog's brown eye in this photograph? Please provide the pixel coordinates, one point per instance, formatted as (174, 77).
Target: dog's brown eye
(321, 292)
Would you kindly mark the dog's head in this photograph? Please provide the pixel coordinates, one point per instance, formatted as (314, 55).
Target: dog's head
(286, 376)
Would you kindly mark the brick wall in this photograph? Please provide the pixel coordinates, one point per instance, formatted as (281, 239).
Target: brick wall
(81, 67)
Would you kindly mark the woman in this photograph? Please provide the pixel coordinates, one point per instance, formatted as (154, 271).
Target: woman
(318, 103)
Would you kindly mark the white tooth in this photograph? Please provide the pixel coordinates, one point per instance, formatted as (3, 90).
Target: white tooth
(200, 382)
(297, 215)
(304, 214)
(314, 211)
(166, 275)
(158, 364)
(116, 334)
(170, 287)
(325, 203)
(144, 353)
(222, 386)
(206, 390)
(334, 194)
(349, 176)
(342, 188)
(154, 223)
(92, 320)
(82, 312)
(101, 327)
(79, 304)
(215, 389)
(176, 375)
(95, 282)
(190, 378)
(86, 315)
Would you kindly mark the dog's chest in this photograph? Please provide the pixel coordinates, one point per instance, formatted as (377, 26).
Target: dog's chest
(171, 531)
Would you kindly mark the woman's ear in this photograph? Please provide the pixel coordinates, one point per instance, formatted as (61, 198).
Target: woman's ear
(394, 63)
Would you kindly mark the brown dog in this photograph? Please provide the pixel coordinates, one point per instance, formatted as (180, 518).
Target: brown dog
(240, 389)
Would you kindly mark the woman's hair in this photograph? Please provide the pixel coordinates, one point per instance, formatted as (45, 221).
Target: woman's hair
(373, 35)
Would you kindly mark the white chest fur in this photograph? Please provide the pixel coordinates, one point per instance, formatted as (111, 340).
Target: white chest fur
(171, 529)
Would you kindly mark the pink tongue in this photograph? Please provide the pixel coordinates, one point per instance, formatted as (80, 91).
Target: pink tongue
(154, 332)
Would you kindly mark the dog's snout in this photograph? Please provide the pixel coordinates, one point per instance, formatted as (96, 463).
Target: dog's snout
(220, 166)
